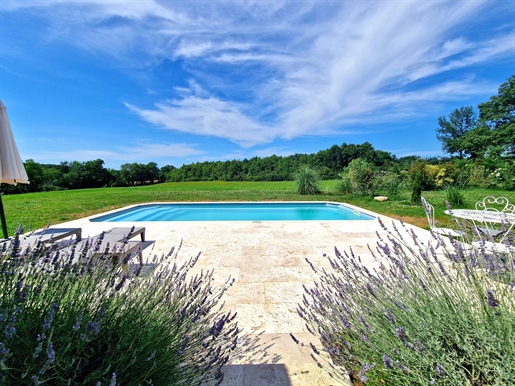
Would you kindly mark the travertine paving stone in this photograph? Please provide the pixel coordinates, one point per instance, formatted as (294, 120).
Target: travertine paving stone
(268, 262)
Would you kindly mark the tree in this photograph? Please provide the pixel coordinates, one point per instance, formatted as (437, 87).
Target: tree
(452, 132)
(498, 114)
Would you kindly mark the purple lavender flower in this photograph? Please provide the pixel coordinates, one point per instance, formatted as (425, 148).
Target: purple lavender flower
(50, 353)
(439, 369)
(3, 350)
(402, 367)
(184, 344)
(9, 331)
(388, 363)
(78, 320)
(400, 333)
(390, 315)
(492, 301)
(113, 380)
(37, 351)
(47, 323)
(366, 368)
(93, 326)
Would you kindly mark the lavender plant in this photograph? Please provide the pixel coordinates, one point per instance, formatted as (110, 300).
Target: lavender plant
(432, 313)
(71, 319)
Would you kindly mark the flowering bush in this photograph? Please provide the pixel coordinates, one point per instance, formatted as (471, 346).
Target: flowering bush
(84, 323)
(361, 176)
(503, 178)
(429, 314)
(423, 171)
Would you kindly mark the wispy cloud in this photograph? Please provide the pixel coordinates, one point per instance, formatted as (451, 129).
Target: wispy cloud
(137, 152)
(283, 69)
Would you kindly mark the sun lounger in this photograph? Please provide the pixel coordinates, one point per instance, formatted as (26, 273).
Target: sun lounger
(44, 239)
(115, 242)
(50, 236)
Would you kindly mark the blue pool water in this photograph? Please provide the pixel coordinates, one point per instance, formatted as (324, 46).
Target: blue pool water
(241, 211)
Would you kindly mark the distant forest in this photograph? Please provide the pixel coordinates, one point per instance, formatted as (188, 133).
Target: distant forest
(483, 144)
(92, 174)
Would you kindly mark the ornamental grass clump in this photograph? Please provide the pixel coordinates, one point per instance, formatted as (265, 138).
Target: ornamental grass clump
(307, 181)
(70, 318)
(430, 313)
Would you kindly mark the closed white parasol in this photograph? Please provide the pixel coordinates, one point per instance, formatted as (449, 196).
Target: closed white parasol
(12, 170)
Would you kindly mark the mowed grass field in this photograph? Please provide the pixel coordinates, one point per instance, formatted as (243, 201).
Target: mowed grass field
(36, 210)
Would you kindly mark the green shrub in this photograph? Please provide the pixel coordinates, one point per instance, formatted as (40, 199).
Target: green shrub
(450, 173)
(391, 183)
(479, 176)
(416, 190)
(426, 174)
(307, 181)
(454, 195)
(84, 323)
(344, 185)
(423, 316)
(361, 175)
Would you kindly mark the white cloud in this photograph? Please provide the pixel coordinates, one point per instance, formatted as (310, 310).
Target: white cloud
(266, 70)
(138, 152)
(208, 117)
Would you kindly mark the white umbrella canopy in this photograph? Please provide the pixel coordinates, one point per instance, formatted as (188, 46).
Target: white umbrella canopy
(12, 170)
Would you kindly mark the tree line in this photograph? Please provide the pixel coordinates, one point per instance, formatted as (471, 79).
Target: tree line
(93, 174)
(486, 141)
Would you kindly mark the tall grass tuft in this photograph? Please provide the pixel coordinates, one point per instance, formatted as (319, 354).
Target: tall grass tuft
(454, 195)
(307, 181)
(73, 319)
(429, 313)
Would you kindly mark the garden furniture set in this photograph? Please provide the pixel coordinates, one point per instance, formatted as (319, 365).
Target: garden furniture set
(116, 243)
(490, 224)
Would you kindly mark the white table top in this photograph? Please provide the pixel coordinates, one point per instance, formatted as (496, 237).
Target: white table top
(482, 215)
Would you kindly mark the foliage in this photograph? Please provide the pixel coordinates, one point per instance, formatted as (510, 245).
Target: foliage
(307, 181)
(425, 179)
(493, 173)
(416, 189)
(415, 313)
(328, 162)
(454, 195)
(449, 173)
(452, 132)
(498, 114)
(344, 185)
(389, 182)
(73, 318)
(361, 176)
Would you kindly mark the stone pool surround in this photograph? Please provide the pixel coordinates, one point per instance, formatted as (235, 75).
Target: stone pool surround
(267, 261)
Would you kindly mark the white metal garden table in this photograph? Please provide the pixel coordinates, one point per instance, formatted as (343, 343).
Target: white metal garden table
(485, 217)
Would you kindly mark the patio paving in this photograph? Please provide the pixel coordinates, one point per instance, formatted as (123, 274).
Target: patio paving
(267, 261)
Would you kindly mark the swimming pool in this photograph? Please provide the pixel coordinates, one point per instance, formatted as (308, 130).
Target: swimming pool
(236, 211)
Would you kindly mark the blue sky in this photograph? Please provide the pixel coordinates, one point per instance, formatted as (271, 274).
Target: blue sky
(178, 82)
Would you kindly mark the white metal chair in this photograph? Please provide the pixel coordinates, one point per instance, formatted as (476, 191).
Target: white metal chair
(430, 213)
(493, 204)
(497, 204)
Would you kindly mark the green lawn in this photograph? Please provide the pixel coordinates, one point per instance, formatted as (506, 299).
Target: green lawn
(36, 210)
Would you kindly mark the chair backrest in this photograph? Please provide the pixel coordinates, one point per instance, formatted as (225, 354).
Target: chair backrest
(495, 204)
(430, 212)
